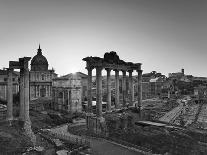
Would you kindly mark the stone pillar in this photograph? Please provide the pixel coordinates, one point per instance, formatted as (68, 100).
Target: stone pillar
(10, 95)
(139, 90)
(133, 85)
(26, 92)
(124, 88)
(89, 109)
(68, 104)
(39, 91)
(21, 87)
(130, 88)
(49, 91)
(117, 106)
(99, 91)
(63, 103)
(108, 90)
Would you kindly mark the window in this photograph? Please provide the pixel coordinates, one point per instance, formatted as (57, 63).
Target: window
(5, 79)
(43, 77)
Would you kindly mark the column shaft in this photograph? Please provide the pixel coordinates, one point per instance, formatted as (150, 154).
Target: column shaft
(21, 87)
(130, 88)
(99, 91)
(26, 93)
(117, 106)
(139, 103)
(124, 88)
(108, 90)
(89, 107)
(68, 104)
(63, 103)
(10, 95)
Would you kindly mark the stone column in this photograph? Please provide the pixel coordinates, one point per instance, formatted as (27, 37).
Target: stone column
(21, 87)
(49, 91)
(26, 92)
(39, 90)
(68, 104)
(10, 95)
(89, 109)
(117, 106)
(63, 103)
(130, 88)
(99, 91)
(139, 86)
(124, 88)
(108, 90)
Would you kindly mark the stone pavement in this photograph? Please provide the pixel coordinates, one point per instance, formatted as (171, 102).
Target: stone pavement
(101, 146)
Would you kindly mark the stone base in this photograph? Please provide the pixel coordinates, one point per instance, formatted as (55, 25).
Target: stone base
(27, 130)
(96, 124)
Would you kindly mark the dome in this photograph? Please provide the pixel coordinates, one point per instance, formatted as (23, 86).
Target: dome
(39, 62)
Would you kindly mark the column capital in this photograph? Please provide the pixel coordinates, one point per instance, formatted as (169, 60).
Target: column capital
(123, 72)
(108, 69)
(116, 70)
(130, 71)
(99, 68)
(89, 68)
(139, 71)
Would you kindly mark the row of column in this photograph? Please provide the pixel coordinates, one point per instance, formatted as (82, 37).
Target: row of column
(24, 91)
(99, 89)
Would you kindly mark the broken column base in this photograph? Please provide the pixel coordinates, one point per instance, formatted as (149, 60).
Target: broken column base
(27, 130)
(96, 124)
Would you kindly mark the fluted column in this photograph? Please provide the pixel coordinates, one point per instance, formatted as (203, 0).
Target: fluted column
(124, 88)
(130, 88)
(89, 90)
(117, 106)
(21, 87)
(139, 98)
(9, 95)
(108, 90)
(99, 91)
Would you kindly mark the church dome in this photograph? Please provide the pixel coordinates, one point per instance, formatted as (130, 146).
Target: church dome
(39, 62)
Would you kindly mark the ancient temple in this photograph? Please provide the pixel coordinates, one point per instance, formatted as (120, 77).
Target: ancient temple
(40, 76)
(110, 62)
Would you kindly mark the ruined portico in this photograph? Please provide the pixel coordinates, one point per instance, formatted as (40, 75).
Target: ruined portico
(24, 118)
(111, 62)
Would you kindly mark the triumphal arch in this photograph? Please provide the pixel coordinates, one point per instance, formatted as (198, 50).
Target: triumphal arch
(111, 62)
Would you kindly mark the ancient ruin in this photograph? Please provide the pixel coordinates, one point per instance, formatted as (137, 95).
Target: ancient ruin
(24, 118)
(111, 61)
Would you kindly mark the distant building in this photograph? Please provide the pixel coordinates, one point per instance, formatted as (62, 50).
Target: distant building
(3, 83)
(40, 77)
(177, 75)
(152, 84)
(200, 92)
(66, 93)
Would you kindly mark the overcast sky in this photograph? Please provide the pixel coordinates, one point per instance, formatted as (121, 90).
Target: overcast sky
(163, 35)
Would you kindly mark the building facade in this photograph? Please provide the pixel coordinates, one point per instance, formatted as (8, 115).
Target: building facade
(3, 83)
(40, 77)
